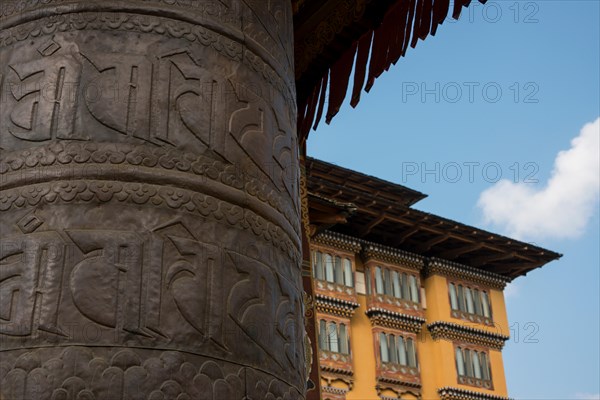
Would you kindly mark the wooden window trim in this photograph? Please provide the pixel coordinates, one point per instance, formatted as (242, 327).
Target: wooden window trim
(472, 381)
(369, 269)
(465, 315)
(334, 253)
(338, 322)
(396, 333)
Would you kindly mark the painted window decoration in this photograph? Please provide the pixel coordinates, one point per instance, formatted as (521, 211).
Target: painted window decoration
(389, 282)
(334, 337)
(396, 349)
(473, 367)
(472, 301)
(333, 268)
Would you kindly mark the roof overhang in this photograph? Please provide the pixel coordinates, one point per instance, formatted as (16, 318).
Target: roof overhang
(332, 38)
(381, 219)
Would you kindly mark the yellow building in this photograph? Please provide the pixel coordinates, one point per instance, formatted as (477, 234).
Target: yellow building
(409, 304)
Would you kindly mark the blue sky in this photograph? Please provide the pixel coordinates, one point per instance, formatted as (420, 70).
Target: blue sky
(490, 103)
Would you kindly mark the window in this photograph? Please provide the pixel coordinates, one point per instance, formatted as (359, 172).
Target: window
(378, 281)
(473, 367)
(348, 275)
(395, 284)
(329, 268)
(334, 337)
(414, 293)
(469, 300)
(453, 298)
(333, 268)
(396, 349)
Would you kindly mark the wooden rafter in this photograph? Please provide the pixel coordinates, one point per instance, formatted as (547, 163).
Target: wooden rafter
(368, 228)
(389, 219)
(402, 238)
(455, 253)
(432, 242)
(483, 260)
(333, 38)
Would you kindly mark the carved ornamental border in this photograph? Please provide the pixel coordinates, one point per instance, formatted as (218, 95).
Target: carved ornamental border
(437, 266)
(398, 386)
(372, 251)
(452, 393)
(178, 372)
(334, 393)
(452, 331)
(338, 241)
(335, 306)
(99, 191)
(60, 160)
(339, 373)
(391, 319)
(229, 42)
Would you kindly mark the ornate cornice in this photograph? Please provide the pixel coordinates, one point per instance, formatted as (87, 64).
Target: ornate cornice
(392, 255)
(63, 160)
(337, 371)
(452, 331)
(400, 382)
(452, 393)
(304, 209)
(335, 306)
(178, 23)
(331, 375)
(142, 194)
(370, 250)
(391, 319)
(437, 266)
(397, 385)
(334, 390)
(338, 241)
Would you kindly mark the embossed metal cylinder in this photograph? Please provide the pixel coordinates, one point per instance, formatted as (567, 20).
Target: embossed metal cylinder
(149, 201)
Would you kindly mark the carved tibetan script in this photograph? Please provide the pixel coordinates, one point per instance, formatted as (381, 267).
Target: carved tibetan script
(127, 282)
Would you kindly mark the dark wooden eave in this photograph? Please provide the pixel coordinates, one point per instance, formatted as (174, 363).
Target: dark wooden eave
(356, 185)
(333, 38)
(381, 217)
(325, 213)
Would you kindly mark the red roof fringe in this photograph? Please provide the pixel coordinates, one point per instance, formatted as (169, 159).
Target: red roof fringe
(406, 21)
(360, 70)
(322, 96)
(340, 78)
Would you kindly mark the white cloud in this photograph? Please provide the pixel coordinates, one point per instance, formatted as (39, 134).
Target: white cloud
(563, 207)
(587, 396)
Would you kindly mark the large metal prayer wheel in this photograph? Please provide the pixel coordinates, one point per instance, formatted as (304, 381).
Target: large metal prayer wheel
(149, 201)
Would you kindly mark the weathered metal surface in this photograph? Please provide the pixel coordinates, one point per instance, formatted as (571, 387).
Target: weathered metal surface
(149, 201)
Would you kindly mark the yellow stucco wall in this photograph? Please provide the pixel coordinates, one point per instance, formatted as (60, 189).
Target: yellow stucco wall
(438, 368)
(436, 358)
(438, 365)
(363, 354)
(499, 312)
(438, 306)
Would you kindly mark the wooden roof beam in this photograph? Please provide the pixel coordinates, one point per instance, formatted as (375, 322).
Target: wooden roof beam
(512, 269)
(455, 253)
(430, 243)
(376, 221)
(479, 261)
(440, 232)
(402, 238)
